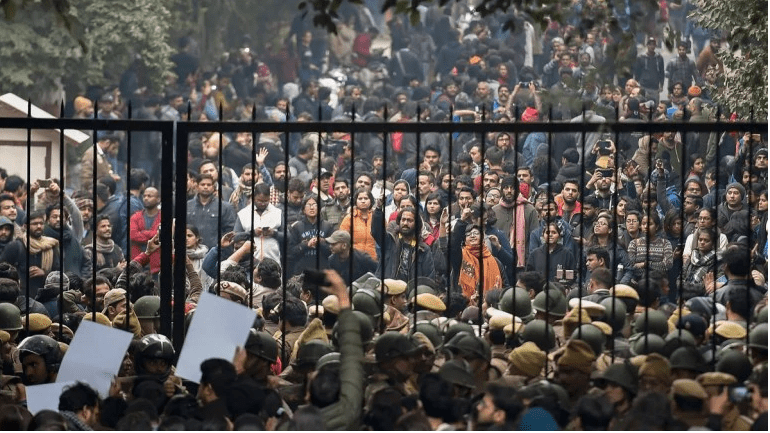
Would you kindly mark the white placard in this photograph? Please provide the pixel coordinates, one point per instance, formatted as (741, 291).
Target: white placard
(218, 327)
(45, 396)
(95, 356)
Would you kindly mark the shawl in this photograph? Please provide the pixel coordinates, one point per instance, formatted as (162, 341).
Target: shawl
(470, 270)
(43, 245)
(240, 190)
(198, 253)
(518, 236)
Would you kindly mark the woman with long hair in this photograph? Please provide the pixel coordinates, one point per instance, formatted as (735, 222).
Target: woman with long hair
(632, 227)
(701, 262)
(474, 259)
(431, 217)
(401, 189)
(305, 238)
(196, 252)
(361, 228)
(707, 219)
(650, 251)
(552, 252)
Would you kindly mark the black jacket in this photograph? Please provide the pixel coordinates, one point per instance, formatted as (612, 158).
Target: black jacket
(392, 247)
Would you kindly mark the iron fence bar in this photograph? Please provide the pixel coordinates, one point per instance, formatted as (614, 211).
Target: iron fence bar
(614, 295)
(166, 215)
(220, 197)
(28, 209)
(417, 216)
(176, 141)
(318, 213)
(353, 201)
(580, 260)
(285, 240)
(749, 229)
(251, 204)
(514, 254)
(450, 277)
(127, 253)
(381, 258)
(546, 228)
(94, 222)
(682, 236)
(60, 301)
(482, 226)
(514, 263)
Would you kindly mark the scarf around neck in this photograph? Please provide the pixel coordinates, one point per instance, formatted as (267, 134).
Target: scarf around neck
(470, 270)
(43, 245)
(103, 248)
(517, 236)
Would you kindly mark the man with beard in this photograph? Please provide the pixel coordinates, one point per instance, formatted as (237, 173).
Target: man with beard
(335, 212)
(278, 188)
(516, 217)
(293, 209)
(567, 201)
(602, 191)
(267, 224)
(75, 259)
(8, 210)
(403, 251)
(498, 408)
(108, 253)
(681, 69)
(208, 166)
(106, 147)
(43, 253)
(6, 232)
(144, 225)
(132, 204)
(339, 260)
(203, 212)
(86, 208)
(241, 196)
(587, 218)
(40, 358)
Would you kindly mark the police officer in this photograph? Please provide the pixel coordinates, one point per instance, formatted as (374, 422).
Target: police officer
(40, 357)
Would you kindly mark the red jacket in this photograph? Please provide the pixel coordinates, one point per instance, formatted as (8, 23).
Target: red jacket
(140, 235)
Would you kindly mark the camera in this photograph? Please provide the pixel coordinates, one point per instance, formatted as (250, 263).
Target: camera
(44, 183)
(739, 394)
(313, 279)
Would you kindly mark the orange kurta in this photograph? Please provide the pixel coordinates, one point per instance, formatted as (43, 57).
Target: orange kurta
(362, 231)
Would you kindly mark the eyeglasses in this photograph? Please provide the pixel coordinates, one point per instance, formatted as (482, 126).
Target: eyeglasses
(601, 223)
(474, 234)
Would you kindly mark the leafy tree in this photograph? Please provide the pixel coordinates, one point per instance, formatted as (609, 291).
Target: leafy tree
(744, 24)
(48, 45)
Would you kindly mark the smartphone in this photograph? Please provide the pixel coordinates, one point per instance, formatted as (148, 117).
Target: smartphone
(44, 183)
(606, 172)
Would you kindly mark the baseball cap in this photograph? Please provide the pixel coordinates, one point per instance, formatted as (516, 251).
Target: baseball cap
(339, 236)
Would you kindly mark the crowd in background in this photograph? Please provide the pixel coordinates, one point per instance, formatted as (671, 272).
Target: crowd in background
(473, 281)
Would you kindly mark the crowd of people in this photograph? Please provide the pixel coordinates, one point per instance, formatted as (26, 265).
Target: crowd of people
(587, 281)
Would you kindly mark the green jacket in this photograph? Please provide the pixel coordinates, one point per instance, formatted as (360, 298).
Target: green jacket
(345, 414)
